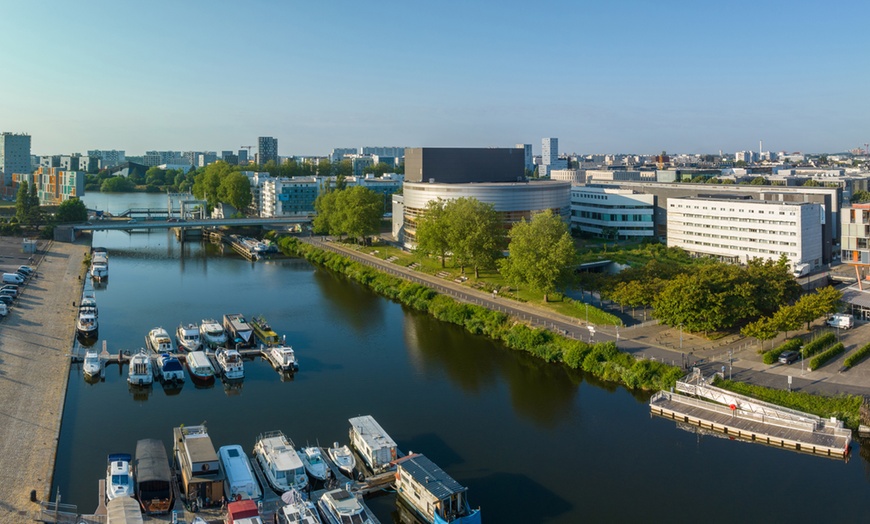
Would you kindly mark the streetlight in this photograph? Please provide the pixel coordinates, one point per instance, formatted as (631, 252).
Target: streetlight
(681, 337)
(587, 313)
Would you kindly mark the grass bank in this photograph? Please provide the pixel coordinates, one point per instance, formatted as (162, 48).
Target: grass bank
(602, 359)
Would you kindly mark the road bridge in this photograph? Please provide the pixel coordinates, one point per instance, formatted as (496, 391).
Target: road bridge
(132, 224)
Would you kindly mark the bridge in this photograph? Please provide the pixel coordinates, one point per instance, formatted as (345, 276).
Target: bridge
(132, 224)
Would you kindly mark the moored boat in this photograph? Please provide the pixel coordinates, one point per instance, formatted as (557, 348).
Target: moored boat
(187, 337)
(340, 506)
(264, 332)
(140, 372)
(99, 264)
(86, 322)
(239, 331)
(343, 458)
(119, 476)
(433, 495)
(153, 476)
(283, 358)
(158, 341)
(230, 362)
(91, 366)
(200, 368)
(240, 483)
(297, 510)
(281, 465)
(169, 369)
(211, 333)
(312, 459)
(377, 449)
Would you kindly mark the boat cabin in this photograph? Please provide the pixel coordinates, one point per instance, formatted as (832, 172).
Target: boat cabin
(240, 482)
(202, 480)
(123, 510)
(240, 334)
(376, 448)
(243, 512)
(153, 476)
(431, 493)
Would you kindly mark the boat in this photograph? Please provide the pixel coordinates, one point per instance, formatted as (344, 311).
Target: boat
(202, 481)
(283, 358)
(343, 458)
(280, 463)
(119, 476)
(239, 332)
(264, 332)
(312, 459)
(158, 341)
(243, 512)
(99, 264)
(372, 443)
(297, 510)
(211, 333)
(430, 493)
(230, 362)
(86, 322)
(187, 337)
(200, 368)
(153, 477)
(240, 483)
(169, 369)
(140, 372)
(92, 367)
(340, 506)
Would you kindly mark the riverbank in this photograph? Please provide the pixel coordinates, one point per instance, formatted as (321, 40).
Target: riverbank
(34, 369)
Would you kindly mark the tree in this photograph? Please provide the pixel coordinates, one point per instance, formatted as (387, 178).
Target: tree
(361, 211)
(759, 181)
(541, 253)
(235, 190)
(116, 184)
(476, 233)
(762, 329)
(22, 203)
(34, 212)
(207, 182)
(326, 220)
(155, 176)
(432, 231)
(72, 210)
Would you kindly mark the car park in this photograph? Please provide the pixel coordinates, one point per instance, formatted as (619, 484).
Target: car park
(25, 269)
(6, 300)
(789, 357)
(11, 292)
(12, 288)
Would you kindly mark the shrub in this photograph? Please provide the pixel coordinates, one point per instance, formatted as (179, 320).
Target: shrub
(857, 356)
(793, 344)
(819, 360)
(818, 344)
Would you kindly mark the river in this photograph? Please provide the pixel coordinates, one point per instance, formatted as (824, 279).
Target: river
(534, 442)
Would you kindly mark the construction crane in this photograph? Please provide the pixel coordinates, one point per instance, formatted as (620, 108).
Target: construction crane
(250, 159)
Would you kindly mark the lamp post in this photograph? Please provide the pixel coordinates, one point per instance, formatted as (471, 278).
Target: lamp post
(587, 313)
(681, 337)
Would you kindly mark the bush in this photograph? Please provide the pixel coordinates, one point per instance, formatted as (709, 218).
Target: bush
(857, 356)
(819, 360)
(771, 356)
(818, 344)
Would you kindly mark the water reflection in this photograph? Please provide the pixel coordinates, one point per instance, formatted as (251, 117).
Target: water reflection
(349, 302)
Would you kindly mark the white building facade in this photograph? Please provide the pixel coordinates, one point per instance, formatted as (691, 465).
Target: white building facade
(737, 230)
(612, 213)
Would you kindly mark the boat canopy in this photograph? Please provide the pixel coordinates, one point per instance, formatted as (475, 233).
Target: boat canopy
(123, 510)
(151, 461)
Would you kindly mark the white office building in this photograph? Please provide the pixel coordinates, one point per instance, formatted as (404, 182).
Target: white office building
(739, 229)
(528, 156)
(550, 157)
(612, 213)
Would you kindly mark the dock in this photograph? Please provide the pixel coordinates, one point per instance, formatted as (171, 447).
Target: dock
(737, 416)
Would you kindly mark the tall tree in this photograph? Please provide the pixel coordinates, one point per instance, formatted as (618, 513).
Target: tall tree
(327, 220)
(432, 231)
(362, 210)
(72, 210)
(541, 253)
(22, 202)
(476, 233)
(34, 211)
(235, 190)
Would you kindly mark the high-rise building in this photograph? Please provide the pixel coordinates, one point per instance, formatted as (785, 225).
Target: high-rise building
(267, 149)
(14, 155)
(243, 157)
(109, 157)
(529, 159)
(550, 157)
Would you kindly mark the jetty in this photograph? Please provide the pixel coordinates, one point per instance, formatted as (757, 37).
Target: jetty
(697, 403)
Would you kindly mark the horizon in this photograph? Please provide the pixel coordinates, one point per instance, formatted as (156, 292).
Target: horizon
(636, 77)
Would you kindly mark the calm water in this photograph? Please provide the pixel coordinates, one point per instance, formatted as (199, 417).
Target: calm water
(533, 442)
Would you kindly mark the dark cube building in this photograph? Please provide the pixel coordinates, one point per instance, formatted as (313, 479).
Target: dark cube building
(459, 165)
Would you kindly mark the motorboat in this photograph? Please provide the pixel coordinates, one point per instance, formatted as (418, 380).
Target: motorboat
(91, 366)
(240, 483)
(140, 372)
(239, 332)
(281, 465)
(188, 337)
(119, 476)
(99, 264)
(211, 333)
(298, 510)
(230, 362)
(433, 495)
(158, 341)
(313, 461)
(283, 358)
(343, 458)
(86, 322)
(169, 369)
(264, 332)
(340, 506)
(375, 447)
(200, 368)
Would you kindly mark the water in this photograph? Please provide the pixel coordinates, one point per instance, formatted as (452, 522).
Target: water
(533, 442)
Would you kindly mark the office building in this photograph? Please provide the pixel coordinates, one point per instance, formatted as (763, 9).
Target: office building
(454, 165)
(529, 158)
(288, 196)
(612, 213)
(108, 157)
(339, 153)
(550, 157)
(14, 155)
(267, 149)
(243, 157)
(49, 161)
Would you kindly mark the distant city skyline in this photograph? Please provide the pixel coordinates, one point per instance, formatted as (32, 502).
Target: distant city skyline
(629, 77)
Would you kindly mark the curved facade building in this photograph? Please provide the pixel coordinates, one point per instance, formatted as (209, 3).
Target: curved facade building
(513, 200)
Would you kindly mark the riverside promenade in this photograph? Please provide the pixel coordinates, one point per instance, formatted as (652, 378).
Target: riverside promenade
(35, 341)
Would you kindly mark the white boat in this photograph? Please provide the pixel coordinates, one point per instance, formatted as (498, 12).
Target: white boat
(158, 341)
(230, 362)
(200, 368)
(339, 506)
(119, 476)
(140, 372)
(169, 369)
(211, 333)
(99, 264)
(240, 484)
(312, 459)
(343, 458)
(188, 337)
(92, 365)
(86, 323)
(297, 510)
(280, 463)
(377, 449)
(283, 358)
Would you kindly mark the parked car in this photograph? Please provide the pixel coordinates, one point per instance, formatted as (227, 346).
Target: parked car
(10, 290)
(3, 310)
(789, 357)
(6, 300)
(25, 269)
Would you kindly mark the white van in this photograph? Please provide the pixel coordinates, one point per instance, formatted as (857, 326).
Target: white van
(841, 321)
(12, 278)
(3, 310)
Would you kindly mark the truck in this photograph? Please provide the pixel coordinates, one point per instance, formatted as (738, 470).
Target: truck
(841, 320)
(801, 270)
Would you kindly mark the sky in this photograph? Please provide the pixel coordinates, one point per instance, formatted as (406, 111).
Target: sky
(605, 76)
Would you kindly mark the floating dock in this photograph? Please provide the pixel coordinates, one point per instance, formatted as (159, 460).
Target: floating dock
(738, 416)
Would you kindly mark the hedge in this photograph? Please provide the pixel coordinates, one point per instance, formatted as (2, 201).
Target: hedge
(818, 344)
(857, 356)
(601, 359)
(819, 360)
(793, 344)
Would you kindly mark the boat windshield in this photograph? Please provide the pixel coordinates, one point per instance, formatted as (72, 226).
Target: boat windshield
(214, 331)
(300, 472)
(315, 459)
(120, 480)
(359, 518)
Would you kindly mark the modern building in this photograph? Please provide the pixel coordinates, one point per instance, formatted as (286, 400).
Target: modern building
(454, 165)
(612, 213)
(108, 157)
(14, 155)
(267, 149)
(360, 163)
(855, 237)
(339, 153)
(398, 152)
(550, 157)
(741, 228)
(257, 181)
(529, 157)
(288, 196)
(243, 157)
(575, 176)
(49, 161)
(53, 185)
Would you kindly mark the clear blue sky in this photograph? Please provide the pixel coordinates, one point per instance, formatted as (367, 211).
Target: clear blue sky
(602, 76)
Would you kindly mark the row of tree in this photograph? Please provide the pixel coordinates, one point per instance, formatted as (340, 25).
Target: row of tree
(221, 182)
(791, 317)
(355, 211)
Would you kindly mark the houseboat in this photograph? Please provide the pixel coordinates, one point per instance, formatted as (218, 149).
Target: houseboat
(200, 368)
(119, 476)
(263, 331)
(211, 333)
(202, 481)
(240, 483)
(158, 341)
(280, 463)
(431, 494)
(239, 331)
(153, 476)
(340, 506)
(187, 337)
(373, 444)
(230, 362)
(140, 372)
(282, 357)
